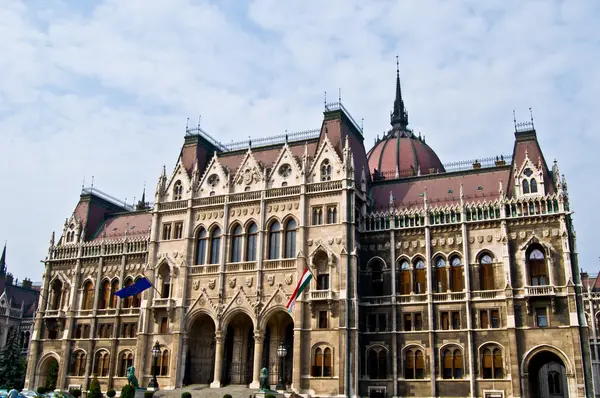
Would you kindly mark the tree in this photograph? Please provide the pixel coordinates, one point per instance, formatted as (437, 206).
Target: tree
(12, 364)
(95, 391)
(52, 376)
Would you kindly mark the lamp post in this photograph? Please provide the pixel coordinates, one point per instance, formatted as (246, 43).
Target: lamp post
(153, 385)
(281, 352)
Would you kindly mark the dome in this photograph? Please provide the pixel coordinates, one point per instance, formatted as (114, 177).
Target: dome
(401, 154)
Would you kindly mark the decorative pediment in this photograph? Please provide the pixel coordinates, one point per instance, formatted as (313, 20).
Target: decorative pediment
(286, 170)
(326, 156)
(529, 178)
(535, 240)
(239, 299)
(249, 175)
(4, 300)
(62, 278)
(325, 249)
(215, 180)
(278, 297)
(203, 301)
(178, 185)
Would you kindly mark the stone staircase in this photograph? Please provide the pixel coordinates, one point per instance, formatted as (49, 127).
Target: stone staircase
(203, 391)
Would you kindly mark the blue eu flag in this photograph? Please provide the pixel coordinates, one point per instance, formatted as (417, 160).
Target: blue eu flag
(139, 286)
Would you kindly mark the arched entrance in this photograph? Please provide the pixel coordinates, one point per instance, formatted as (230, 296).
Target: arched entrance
(238, 352)
(547, 376)
(48, 373)
(200, 360)
(279, 328)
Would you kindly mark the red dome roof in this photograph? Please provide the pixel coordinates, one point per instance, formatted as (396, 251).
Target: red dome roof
(400, 151)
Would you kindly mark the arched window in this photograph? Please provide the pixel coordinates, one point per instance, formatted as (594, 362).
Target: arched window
(404, 278)
(322, 362)
(452, 364)
(493, 365)
(554, 386)
(177, 190)
(101, 364)
(88, 296)
(26, 341)
(137, 299)
(419, 279)
(486, 272)
(274, 240)
(57, 291)
(321, 261)
(525, 186)
(376, 278)
(128, 301)
(290, 239)
(201, 247)
(105, 294)
(377, 363)
(114, 287)
(78, 364)
(533, 185)
(126, 360)
(163, 363)
(215, 246)
(164, 275)
(325, 170)
(414, 364)
(456, 274)
(538, 273)
(441, 279)
(236, 244)
(251, 243)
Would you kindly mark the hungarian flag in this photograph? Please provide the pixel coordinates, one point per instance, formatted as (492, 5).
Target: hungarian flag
(302, 283)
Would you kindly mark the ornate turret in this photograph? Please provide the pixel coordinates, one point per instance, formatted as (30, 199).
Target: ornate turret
(399, 117)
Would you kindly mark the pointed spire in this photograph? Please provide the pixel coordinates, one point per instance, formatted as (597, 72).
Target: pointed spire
(399, 116)
(3, 261)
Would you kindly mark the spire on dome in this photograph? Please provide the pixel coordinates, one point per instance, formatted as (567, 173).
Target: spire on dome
(399, 118)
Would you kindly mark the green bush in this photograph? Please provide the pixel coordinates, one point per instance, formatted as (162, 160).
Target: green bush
(229, 396)
(76, 392)
(186, 395)
(94, 391)
(42, 390)
(270, 396)
(148, 394)
(128, 391)
(111, 393)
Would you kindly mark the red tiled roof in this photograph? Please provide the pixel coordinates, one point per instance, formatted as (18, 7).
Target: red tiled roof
(442, 189)
(136, 224)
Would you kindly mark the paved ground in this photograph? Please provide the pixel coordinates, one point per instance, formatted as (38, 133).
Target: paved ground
(203, 391)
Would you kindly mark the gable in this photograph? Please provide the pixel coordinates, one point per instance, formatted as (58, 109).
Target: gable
(215, 180)
(249, 175)
(285, 170)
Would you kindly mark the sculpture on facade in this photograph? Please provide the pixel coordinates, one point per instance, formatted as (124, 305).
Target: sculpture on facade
(131, 377)
(264, 380)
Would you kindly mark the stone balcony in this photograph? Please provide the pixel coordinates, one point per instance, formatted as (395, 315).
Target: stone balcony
(539, 291)
(322, 295)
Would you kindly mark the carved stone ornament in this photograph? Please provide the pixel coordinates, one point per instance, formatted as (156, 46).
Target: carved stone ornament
(249, 281)
(338, 240)
(546, 233)
(480, 239)
(489, 238)
(202, 302)
(442, 242)
(278, 299)
(450, 241)
(232, 282)
(212, 283)
(330, 241)
(289, 278)
(270, 280)
(433, 242)
(196, 284)
(310, 242)
(522, 234)
(471, 239)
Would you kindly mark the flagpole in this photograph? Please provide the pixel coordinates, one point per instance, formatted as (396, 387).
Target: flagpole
(152, 284)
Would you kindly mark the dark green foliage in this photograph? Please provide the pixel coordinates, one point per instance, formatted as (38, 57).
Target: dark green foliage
(42, 390)
(186, 395)
(128, 391)
(229, 396)
(270, 396)
(94, 391)
(12, 365)
(111, 393)
(148, 394)
(52, 376)
(76, 392)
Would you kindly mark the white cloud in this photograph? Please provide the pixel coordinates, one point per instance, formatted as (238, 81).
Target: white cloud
(105, 90)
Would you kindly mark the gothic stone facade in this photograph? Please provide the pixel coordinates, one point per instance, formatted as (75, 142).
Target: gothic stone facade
(427, 282)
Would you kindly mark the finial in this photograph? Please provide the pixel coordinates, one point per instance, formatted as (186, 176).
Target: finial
(362, 124)
(399, 116)
(340, 96)
(199, 120)
(462, 193)
(187, 122)
(500, 188)
(531, 117)
(83, 183)
(515, 120)
(92, 182)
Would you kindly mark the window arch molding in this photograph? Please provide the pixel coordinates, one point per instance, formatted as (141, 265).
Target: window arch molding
(438, 255)
(236, 237)
(491, 347)
(482, 252)
(248, 223)
(215, 243)
(78, 362)
(376, 259)
(290, 228)
(274, 231)
(320, 367)
(538, 270)
(101, 365)
(401, 258)
(413, 347)
(177, 190)
(85, 281)
(456, 351)
(381, 351)
(125, 359)
(455, 253)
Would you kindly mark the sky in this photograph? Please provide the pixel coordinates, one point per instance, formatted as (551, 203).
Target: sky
(104, 89)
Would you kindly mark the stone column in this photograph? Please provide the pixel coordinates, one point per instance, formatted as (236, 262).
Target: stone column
(258, 353)
(218, 360)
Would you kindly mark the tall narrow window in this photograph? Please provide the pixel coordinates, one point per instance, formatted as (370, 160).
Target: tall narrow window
(525, 186)
(377, 363)
(452, 364)
(290, 239)
(419, 280)
(331, 214)
(376, 279)
(114, 287)
(493, 367)
(317, 216)
(274, 240)
(404, 287)
(105, 294)
(322, 263)
(251, 244)
(166, 231)
(325, 170)
(177, 190)
(554, 386)
(178, 230)
(537, 268)
(486, 272)
(409, 365)
(533, 186)
(456, 274)
(215, 246)
(88, 296)
(164, 275)
(327, 363)
(201, 247)
(317, 368)
(236, 244)
(441, 281)
(164, 363)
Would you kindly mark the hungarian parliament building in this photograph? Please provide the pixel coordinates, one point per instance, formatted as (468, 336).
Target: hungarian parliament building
(428, 279)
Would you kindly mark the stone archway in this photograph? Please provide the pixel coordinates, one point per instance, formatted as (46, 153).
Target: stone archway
(279, 327)
(547, 376)
(238, 354)
(49, 369)
(200, 358)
